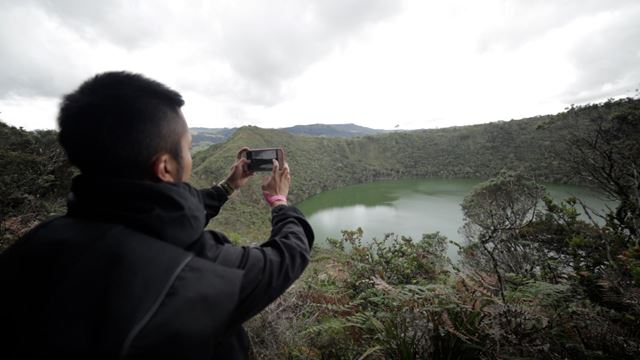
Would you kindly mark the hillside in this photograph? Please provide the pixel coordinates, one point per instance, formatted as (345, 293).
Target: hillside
(331, 130)
(534, 146)
(204, 137)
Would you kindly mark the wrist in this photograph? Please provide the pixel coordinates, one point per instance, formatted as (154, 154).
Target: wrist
(228, 189)
(273, 199)
(232, 183)
(278, 203)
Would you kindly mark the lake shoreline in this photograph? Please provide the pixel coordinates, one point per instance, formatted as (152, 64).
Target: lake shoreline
(408, 207)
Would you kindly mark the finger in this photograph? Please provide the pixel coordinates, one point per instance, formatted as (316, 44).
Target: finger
(242, 151)
(234, 168)
(276, 167)
(243, 164)
(285, 171)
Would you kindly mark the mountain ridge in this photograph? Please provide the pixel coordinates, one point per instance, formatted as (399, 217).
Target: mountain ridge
(203, 137)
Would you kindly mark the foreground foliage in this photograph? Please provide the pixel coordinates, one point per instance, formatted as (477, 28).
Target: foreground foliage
(398, 298)
(537, 279)
(34, 180)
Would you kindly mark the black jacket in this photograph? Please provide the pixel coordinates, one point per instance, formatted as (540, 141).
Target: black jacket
(129, 272)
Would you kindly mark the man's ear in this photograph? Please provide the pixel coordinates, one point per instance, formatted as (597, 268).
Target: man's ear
(165, 168)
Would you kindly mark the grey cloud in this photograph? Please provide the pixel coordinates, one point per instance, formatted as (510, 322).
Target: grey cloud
(269, 46)
(129, 24)
(525, 20)
(45, 45)
(37, 59)
(607, 62)
(264, 44)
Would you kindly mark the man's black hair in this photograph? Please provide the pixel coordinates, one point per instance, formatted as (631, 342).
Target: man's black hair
(115, 123)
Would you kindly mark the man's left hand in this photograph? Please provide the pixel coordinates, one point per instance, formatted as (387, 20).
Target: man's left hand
(239, 172)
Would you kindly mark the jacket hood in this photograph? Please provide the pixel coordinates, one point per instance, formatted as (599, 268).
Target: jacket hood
(171, 212)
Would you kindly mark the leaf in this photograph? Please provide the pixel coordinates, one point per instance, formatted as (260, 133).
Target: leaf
(369, 352)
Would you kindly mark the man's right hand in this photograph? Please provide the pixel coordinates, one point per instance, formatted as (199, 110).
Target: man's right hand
(278, 182)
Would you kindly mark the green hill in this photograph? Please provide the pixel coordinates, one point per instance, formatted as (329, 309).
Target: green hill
(204, 137)
(534, 146)
(331, 130)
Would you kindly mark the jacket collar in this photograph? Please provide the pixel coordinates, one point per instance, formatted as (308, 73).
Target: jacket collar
(171, 212)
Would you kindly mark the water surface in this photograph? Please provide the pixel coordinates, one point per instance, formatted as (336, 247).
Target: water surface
(407, 207)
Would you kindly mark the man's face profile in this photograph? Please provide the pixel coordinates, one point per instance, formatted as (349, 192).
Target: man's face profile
(169, 169)
(185, 147)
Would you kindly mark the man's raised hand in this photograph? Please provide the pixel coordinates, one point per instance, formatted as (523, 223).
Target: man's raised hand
(277, 183)
(240, 173)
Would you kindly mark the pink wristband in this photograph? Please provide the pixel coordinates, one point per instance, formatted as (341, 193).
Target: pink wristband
(273, 198)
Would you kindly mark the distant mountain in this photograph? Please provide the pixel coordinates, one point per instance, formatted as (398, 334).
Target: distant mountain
(204, 137)
(332, 130)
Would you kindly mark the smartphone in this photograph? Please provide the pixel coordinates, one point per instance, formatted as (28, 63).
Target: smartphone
(262, 159)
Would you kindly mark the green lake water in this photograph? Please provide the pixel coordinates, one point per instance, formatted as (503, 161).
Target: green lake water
(407, 207)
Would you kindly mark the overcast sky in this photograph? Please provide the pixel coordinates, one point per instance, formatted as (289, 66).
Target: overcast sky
(276, 63)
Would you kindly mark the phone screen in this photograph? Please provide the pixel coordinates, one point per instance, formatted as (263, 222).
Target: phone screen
(262, 159)
(265, 154)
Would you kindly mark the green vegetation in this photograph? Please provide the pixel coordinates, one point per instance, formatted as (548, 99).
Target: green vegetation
(531, 288)
(534, 281)
(332, 130)
(34, 182)
(202, 138)
(537, 147)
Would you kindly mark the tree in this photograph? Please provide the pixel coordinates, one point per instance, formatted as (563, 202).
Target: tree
(495, 212)
(34, 179)
(609, 157)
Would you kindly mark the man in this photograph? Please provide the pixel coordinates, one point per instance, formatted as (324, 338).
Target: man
(129, 271)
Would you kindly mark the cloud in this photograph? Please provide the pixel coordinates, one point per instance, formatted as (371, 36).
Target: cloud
(607, 58)
(290, 62)
(129, 24)
(599, 40)
(267, 45)
(39, 56)
(523, 21)
(243, 50)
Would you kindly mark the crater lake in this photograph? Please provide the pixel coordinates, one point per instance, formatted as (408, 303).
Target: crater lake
(410, 208)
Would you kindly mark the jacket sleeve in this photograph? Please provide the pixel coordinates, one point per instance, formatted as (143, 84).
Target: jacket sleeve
(270, 268)
(213, 198)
